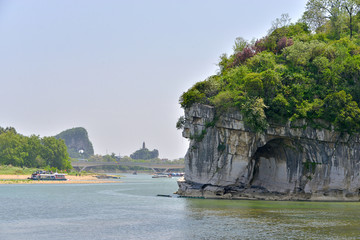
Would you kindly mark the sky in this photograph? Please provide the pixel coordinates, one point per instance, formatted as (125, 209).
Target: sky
(118, 67)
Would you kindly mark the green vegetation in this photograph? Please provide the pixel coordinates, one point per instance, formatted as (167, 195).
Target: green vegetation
(113, 158)
(15, 181)
(77, 142)
(11, 170)
(145, 154)
(33, 152)
(305, 70)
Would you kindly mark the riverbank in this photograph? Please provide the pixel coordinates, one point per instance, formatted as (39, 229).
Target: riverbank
(22, 179)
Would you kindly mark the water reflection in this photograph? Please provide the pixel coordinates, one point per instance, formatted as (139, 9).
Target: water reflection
(276, 220)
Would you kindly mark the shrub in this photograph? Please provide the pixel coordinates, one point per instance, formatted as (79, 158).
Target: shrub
(254, 114)
(244, 55)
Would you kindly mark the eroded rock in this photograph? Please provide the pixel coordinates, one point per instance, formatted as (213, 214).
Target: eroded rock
(289, 162)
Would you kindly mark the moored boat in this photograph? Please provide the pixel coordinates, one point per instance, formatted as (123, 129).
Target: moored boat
(177, 174)
(43, 175)
(161, 175)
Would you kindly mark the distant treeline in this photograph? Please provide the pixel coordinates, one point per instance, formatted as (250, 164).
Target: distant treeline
(33, 151)
(145, 154)
(113, 158)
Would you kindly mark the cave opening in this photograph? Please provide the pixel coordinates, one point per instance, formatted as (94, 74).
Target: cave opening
(269, 168)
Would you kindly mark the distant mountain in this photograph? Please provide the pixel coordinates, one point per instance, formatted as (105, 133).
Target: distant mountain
(77, 142)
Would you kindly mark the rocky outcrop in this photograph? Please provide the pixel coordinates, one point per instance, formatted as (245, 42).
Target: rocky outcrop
(77, 142)
(226, 159)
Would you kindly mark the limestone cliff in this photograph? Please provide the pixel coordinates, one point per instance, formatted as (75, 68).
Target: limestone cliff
(225, 159)
(77, 142)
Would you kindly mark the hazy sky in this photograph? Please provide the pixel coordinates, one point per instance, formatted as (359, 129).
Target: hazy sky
(116, 67)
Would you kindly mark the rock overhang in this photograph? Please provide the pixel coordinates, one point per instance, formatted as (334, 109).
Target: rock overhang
(290, 161)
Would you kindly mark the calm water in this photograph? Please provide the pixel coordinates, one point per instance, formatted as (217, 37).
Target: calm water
(131, 210)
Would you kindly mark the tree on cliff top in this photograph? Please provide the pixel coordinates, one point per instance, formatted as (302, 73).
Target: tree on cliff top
(294, 73)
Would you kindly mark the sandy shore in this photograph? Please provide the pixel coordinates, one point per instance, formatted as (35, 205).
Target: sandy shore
(22, 179)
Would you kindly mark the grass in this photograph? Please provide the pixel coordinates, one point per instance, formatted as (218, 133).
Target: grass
(11, 170)
(14, 181)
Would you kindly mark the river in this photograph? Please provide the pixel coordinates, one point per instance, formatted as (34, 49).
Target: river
(130, 209)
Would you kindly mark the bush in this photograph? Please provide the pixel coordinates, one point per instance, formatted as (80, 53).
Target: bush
(288, 74)
(200, 92)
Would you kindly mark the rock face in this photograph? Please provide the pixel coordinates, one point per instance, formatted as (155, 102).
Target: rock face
(77, 142)
(289, 162)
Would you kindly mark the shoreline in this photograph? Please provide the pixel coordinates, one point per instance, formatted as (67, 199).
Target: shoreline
(23, 179)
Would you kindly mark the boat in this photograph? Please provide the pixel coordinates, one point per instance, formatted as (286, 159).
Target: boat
(177, 174)
(107, 177)
(43, 175)
(161, 175)
(163, 195)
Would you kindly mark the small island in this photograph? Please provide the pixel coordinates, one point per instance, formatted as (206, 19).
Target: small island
(145, 153)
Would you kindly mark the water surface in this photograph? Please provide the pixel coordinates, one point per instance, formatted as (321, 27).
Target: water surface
(131, 210)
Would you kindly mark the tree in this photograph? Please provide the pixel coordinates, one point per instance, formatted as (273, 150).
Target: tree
(352, 7)
(145, 154)
(314, 18)
(240, 44)
(180, 123)
(12, 149)
(254, 114)
(342, 111)
(33, 148)
(319, 11)
(55, 153)
(283, 21)
(292, 73)
(245, 54)
(253, 84)
(223, 63)
(109, 158)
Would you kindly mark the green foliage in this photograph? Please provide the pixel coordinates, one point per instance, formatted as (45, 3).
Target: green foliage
(301, 53)
(199, 137)
(253, 84)
(200, 92)
(262, 62)
(280, 108)
(221, 147)
(145, 154)
(55, 153)
(18, 150)
(342, 111)
(296, 31)
(254, 114)
(239, 45)
(180, 123)
(293, 73)
(109, 158)
(12, 149)
(212, 123)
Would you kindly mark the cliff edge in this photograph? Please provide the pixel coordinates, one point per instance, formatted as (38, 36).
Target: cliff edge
(226, 159)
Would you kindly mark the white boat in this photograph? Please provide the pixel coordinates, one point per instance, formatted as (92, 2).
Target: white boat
(161, 175)
(42, 175)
